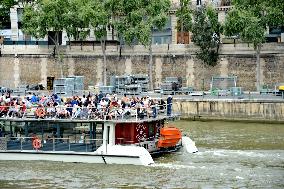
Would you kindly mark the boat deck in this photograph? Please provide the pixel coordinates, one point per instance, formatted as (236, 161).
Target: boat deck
(69, 120)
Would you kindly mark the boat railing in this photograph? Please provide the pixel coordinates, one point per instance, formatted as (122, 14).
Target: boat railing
(50, 144)
(88, 113)
(152, 138)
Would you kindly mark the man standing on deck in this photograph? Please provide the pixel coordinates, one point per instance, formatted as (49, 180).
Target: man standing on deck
(169, 105)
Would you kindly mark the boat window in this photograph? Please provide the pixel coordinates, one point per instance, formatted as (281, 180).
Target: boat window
(145, 146)
(108, 130)
(57, 130)
(6, 130)
(151, 132)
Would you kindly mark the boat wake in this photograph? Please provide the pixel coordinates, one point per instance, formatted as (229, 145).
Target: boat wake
(239, 153)
(173, 166)
(189, 145)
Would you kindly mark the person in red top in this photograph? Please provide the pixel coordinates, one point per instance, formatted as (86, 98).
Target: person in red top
(23, 109)
(113, 104)
(40, 111)
(113, 108)
(3, 109)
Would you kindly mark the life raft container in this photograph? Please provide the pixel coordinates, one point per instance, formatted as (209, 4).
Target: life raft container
(36, 143)
(169, 137)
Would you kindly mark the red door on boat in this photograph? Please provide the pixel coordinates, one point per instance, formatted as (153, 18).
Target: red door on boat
(131, 133)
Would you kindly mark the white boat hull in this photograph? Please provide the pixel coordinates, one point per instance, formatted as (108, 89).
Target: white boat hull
(70, 157)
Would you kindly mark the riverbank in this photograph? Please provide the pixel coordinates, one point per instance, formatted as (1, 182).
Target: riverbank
(243, 110)
(19, 61)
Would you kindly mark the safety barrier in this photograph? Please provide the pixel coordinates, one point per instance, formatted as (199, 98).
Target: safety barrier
(86, 113)
(50, 144)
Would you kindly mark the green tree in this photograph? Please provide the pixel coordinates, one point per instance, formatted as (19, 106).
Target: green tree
(100, 21)
(206, 32)
(76, 17)
(76, 26)
(5, 6)
(98, 15)
(43, 16)
(250, 20)
(184, 14)
(137, 21)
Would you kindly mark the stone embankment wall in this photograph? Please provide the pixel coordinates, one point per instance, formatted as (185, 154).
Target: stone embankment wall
(231, 110)
(33, 64)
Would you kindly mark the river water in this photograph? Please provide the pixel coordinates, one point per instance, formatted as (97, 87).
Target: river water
(231, 155)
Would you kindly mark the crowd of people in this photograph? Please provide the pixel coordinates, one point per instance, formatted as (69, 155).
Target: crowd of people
(97, 106)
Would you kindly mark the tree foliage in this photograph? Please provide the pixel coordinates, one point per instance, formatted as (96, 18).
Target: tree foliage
(184, 14)
(250, 19)
(206, 32)
(97, 14)
(5, 6)
(75, 17)
(139, 18)
(76, 25)
(43, 16)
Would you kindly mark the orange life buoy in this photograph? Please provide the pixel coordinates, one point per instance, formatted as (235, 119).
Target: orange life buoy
(40, 112)
(36, 144)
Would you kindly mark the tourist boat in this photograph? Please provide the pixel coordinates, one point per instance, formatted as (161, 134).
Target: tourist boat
(117, 141)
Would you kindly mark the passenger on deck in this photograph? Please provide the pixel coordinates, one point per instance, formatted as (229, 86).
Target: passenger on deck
(153, 105)
(84, 99)
(18, 135)
(63, 113)
(74, 101)
(84, 112)
(23, 109)
(83, 137)
(126, 112)
(125, 99)
(56, 99)
(98, 115)
(113, 109)
(140, 111)
(3, 109)
(34, 99)
(69, 108)
(169, 105)
(162, 106)
(51, 112)
(47, 139)
(27, 102)
(100, 96)
(14, 109)
(40, 111)
(76, 111)
(88, 107)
